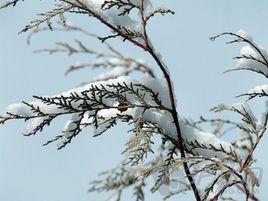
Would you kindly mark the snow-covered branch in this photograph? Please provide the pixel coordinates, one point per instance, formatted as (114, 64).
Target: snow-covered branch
(147, 105)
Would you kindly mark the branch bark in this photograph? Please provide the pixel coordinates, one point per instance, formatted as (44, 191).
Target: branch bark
(147, 47)
(179, 141)
(174, 112)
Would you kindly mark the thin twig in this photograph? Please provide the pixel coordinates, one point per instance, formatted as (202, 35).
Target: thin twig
(259, 137)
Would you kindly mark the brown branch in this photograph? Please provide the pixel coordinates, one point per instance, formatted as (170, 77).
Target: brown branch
(176, 121)
(150, 50)
(259, 137)
(244, 187)
(102, 20)
(251, 195)
(216, 197)
(173, 106)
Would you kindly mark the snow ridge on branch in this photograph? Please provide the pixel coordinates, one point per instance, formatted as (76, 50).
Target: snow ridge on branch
(148, 106)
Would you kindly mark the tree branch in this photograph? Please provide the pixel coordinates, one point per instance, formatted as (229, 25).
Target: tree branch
(173, 106)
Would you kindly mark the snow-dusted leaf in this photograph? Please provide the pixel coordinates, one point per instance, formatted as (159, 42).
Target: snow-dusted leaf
(253, 57)
(99, 104)
(197, 141)
(258, 91)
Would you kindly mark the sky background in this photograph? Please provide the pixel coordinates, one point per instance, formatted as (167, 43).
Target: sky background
(30, 172)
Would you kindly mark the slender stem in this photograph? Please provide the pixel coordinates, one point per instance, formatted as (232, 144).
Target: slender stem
(245, 163)
(176, 121)
(259, 137)
(150, 50)
(216, 197)
(251, 195)
(81, 6)
(179, 141)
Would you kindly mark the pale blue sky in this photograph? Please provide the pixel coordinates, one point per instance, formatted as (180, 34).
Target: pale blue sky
(30, 172)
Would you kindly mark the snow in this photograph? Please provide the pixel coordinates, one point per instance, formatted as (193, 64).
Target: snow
(20, 109)
(250, 64)
(68, 130)
(244, 35)
(160, 86)
(87, 119)
(112, 14)
(113, 112)
(24, 110)
(113, 73)
(159, 56)
(34, 124)
(253, 56)
(263, 116)
(162, 118)
(243, 142)
(106, 117)
(259, 89)
(117, 67)
(115, 197)
(244, 109)
(189, 134)
(166, 69)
